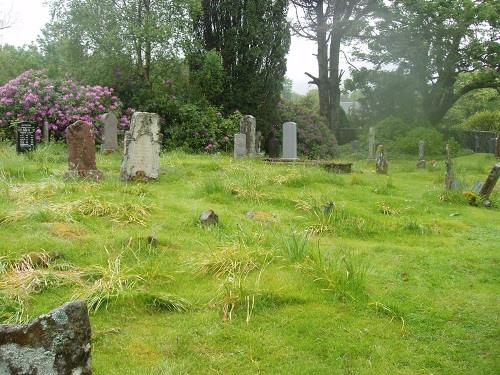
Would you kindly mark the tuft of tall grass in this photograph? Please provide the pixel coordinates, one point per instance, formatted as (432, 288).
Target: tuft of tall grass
(337, 220)
(339, 272)
(295, 246)
(108, 284)
(168, 302)
(122, 213)
(12, 309)
(226, 261)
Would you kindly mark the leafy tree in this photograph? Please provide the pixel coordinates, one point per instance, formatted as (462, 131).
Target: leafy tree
(119, 43)
(435, 42)
(331, 23)
(253, 39)
(15, 60)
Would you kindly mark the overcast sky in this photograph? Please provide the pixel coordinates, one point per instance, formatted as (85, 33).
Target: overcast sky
(29, 16)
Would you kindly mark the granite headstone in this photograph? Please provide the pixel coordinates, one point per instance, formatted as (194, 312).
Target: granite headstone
(142, 145)
(25, 137)
(109, 133)
(290, 141)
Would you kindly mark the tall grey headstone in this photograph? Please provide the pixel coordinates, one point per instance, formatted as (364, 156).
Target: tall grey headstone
(142, 145)
(354, 146)
(240, 145)
(449, 177)
(258, 142)
(371, 143)
(290, 141)
(45, 132)
(109, 133)
(421, 155)
(247, 127)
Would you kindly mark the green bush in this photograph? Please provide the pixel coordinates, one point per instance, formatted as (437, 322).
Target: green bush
(486, 120)
(408, 143)
(390, 129)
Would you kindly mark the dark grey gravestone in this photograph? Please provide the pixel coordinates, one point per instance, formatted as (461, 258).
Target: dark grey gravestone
(57, 343)
(273, 147)
(109, 133)
(209, 218)
(25, 137)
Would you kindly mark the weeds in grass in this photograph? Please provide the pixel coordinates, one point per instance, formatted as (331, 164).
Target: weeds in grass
(122, 213)
(384, 189)
(337, 220)
(168, 302)
(295, 246)
(357, 180)
(385, 310)
(412, 225)
(211, 186)
(108, 284)
(339, 272)
(13, 309)
(386, 209)
(226, 261)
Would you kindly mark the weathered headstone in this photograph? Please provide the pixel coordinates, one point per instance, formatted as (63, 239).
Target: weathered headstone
(142, 145)
(477, 146)
(46, 132)
(355, 146)
(209, 218)
(109, 133)
(490, 182)
(25, 137)
(371, 143)
(381, 162)
(81, 151)
(258, 142)
(247, 127)
(240, 145)
(449, 177)
(273, 146)
(57, 343)
(421, 155)
(290, 141)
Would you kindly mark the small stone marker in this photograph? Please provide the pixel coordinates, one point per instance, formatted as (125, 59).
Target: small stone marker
(258, 142)
(25, 137)
(449, 177)
(371, 143)
(421, 155)
(46, 132)
(109, 133)
(209, 218)
(290, 141)
(81, 151)
(247, 127)
(273, 146)
(57, 343)
(355, 146)
(142, 145)
(240, 145)
(381, 161)
(490, 182)
(497, 146)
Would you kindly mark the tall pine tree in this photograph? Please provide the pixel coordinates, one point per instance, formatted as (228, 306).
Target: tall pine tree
(253, 39)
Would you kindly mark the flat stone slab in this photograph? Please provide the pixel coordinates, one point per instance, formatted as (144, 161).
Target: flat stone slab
(57, 343)
(328, 165)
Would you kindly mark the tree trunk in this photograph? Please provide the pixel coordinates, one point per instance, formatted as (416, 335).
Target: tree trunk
(335, 78)
(323, 84)
(147, 48)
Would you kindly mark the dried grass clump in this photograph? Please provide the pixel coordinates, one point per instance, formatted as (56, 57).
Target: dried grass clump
(386, 209)
(107, 284)
(35, 192)
(168, 302)
(122, 213)
(226, 261)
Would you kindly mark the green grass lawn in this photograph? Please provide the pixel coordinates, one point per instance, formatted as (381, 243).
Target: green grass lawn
(395, 277)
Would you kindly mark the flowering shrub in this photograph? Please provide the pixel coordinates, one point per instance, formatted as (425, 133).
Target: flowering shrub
(34, 97)
(314, 139)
